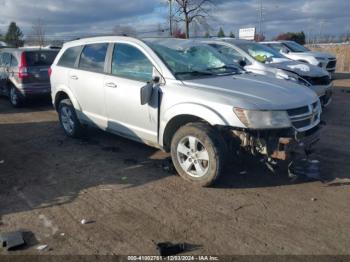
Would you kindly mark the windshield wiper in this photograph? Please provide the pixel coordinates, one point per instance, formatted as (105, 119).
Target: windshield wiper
(234, 69)
(194, 73)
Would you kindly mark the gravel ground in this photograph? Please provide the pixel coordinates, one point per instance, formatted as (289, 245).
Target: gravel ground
(49, 183)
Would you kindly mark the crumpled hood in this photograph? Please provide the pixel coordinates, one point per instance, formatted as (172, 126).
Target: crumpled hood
(302, 69)
(252, 91)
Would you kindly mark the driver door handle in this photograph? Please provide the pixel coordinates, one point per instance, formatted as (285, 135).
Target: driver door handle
(74, 77)
(111, 85)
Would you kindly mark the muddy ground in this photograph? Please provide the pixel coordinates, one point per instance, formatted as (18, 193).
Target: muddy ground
(49, 183)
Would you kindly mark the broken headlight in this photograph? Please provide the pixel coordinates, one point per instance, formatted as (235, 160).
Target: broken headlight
(281, 74)
(256, 119)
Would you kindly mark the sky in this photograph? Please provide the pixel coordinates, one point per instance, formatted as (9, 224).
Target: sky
(76, 18)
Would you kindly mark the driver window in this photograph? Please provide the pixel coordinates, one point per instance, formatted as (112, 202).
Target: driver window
(277, 47)
(231, 53)
(129, 62)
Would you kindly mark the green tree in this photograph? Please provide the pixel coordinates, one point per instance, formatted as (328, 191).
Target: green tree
(206, 35)
(221, 32)
(14, 35)
(232, 35)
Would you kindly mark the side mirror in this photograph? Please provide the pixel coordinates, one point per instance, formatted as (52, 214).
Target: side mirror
(242, 63)
(156, 80)
(146, 93)
(285, 51)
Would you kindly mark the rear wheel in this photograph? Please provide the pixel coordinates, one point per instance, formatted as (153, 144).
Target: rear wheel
(15, 97)
(69, 120)
(198, 152)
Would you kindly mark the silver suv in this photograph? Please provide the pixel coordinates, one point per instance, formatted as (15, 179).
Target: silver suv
(182, 97)
(24, 73)
(297, 52)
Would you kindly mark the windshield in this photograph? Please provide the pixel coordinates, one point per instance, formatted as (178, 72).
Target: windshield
(190, 60)
(260, 52)
(295, 47)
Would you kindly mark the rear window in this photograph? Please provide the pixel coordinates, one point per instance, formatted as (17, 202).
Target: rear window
(40, 58)
(70, 56)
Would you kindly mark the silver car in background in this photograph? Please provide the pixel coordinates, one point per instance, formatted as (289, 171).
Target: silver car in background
(24, 73)
(262, 60)
(297, 52)
(184, 98)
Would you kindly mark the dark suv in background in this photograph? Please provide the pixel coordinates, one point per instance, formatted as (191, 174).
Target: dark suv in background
(24, 73)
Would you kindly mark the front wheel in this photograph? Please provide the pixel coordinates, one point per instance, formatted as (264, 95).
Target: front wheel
(198, 152)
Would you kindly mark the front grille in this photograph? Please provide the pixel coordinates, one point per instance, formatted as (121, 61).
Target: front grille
(298, 111)
(305, 118)
(318, 81)
(332, 64)
(302, 123)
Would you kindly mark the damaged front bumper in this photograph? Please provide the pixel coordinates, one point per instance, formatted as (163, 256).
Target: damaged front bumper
(299, 144)
(278, 144)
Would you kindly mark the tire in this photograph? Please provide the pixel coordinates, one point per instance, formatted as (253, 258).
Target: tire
(198, 153)
(15, 97)
(69, 120)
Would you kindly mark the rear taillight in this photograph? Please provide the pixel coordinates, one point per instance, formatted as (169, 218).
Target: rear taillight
(49, 71)
(23, 69)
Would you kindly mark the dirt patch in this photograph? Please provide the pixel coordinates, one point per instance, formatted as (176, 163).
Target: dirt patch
(49, 184)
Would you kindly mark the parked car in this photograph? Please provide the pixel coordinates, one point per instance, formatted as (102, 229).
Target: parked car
(264, 60)
(182, 97)
(24, 73)
(297, 52)
(3, 44)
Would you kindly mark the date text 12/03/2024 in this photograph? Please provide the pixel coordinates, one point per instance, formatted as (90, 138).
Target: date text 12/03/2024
(173, 258)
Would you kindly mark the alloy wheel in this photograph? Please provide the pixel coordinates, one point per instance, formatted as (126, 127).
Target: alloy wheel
(193, 156)
(67, 119)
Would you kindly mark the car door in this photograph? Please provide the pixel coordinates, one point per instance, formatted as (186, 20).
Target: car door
(130, 70)
(86, 82)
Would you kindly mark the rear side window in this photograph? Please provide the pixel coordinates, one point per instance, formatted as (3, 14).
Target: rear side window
(93, 57)
(69, 57)
(40, 58)
(6, 59)
(14, 61)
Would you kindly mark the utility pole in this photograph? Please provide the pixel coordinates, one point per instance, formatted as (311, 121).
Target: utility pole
(170, 17)
(261, 16)
(320, 34)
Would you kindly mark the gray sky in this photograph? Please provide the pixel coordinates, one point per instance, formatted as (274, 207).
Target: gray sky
(78, 17)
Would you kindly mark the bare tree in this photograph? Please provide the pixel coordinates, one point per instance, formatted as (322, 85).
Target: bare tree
(189, 10)
(37, 36)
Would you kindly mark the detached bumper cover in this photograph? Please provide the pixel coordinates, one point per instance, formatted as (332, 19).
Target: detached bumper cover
(301, 143)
